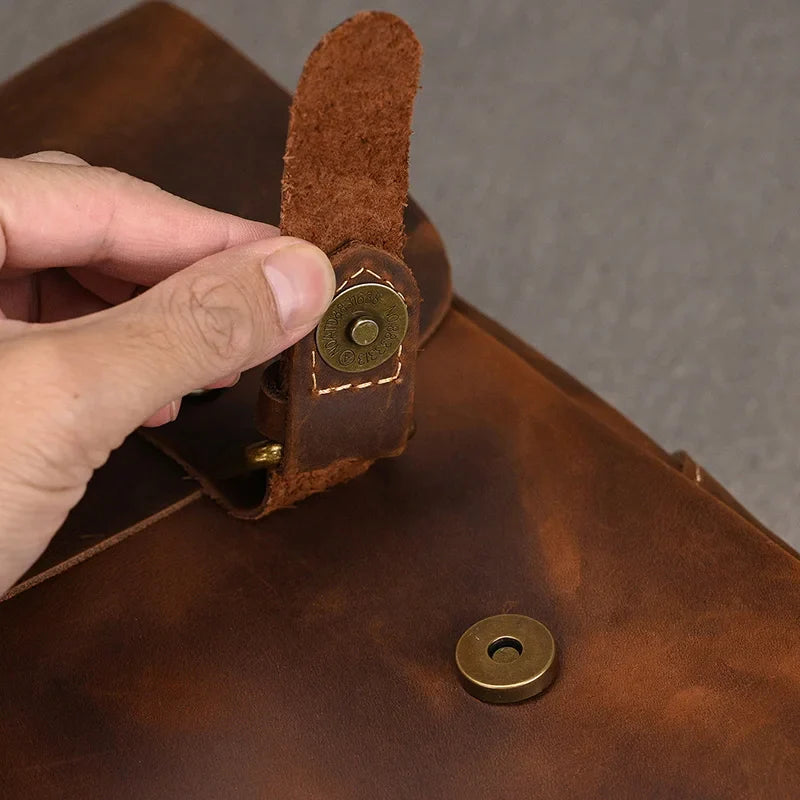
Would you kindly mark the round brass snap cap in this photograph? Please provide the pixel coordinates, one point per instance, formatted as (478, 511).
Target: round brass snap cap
(363, 327)
(506, 658)
(364, 331)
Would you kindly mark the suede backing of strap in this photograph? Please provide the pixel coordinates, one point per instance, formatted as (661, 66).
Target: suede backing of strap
(346, 162)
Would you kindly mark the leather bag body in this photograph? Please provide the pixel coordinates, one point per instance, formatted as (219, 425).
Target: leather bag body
(163, 647)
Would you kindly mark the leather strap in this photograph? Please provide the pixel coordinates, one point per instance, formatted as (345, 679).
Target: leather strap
(345, 188)
(346, 164)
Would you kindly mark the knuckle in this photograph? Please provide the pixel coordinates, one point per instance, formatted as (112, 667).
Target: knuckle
(115, 178)
(123, 181)
(216, 316)
(112, 173)
(56, 157)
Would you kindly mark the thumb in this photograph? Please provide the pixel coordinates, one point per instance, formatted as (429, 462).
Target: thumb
(72, 391)
(224, 314)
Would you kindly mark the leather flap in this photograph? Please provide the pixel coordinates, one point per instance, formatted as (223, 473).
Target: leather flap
(157, 94)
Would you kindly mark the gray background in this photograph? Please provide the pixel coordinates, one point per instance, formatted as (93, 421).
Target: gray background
(618, 182)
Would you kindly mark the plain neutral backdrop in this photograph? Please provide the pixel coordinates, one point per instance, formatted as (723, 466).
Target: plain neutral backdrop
(617, 182)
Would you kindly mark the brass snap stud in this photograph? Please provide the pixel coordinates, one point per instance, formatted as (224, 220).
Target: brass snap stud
(263, 455)
(363, 327)
(364, 331)
(506, 658)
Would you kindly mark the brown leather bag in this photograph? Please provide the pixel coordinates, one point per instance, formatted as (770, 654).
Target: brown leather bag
(274, 640)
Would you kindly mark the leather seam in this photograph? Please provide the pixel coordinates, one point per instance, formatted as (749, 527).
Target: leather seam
(374, 275)
(366, 384)
(352, 386)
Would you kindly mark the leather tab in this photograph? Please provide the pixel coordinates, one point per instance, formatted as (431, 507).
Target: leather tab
(336, 416)
(346, 164)
(345, 188)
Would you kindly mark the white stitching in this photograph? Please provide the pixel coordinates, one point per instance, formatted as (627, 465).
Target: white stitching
(374, 275)
(367, 384)
(387, 281)
(355, 275)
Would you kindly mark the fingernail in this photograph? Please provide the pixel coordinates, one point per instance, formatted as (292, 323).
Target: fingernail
(165, 414)
(302, 283)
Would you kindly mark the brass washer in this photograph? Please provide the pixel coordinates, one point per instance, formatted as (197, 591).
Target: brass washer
(506, 658)
(375, 302)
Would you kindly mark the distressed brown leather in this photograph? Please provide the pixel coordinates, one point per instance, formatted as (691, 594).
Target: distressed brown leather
(338, 424)
(344, 187)
(346, 162)
(310, 654)
(156, 94)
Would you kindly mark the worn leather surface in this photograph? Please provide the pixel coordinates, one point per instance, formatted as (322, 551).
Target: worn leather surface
(156, 94)
(338, 424)
(310, 654)
(94, 518)
(344, 187)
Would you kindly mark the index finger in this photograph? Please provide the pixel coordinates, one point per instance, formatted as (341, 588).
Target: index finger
(63, 215)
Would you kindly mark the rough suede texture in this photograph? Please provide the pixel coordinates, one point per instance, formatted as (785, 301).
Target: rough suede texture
(616, 182)
(117, 97)
(346, 162)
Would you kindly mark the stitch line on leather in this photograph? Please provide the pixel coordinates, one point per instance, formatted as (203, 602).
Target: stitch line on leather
(374, 275)
(345, 386)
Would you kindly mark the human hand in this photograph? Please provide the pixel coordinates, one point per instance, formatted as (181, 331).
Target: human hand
(84, 359)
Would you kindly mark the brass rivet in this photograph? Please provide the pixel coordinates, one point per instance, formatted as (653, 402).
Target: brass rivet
(506, 658)
(364, 331)
(263, 455)
(363, 327)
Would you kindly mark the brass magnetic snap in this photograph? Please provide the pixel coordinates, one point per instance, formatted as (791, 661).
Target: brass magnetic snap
(263, 455)
(506, 658)
(363, 327)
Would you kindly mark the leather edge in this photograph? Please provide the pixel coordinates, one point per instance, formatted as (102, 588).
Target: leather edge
(105, 544)
(617, 422)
